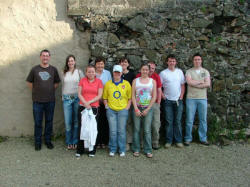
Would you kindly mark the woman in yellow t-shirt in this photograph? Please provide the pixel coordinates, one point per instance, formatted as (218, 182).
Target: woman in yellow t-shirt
(117, 101)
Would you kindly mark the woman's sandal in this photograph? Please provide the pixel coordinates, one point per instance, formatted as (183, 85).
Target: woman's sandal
(74, 146)
(69, 147)
(149, 155)
(136, 154)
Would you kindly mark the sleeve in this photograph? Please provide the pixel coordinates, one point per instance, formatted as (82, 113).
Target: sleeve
(105, 91)
(207, 74)
(30, 77)
(188, 73)
(56, 77)
(109, 76)
(81, 74)
(80, 82)
(161, 76)
(100, 84)
(182, 77)
(158, 81)
(129, 91)
(138, 75)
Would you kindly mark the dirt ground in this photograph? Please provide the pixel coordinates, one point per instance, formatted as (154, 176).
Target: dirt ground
(197, 165)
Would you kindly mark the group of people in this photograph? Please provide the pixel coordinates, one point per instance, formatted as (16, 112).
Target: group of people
(126, 106)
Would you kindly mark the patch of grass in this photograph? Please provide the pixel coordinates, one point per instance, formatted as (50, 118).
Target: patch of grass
(215, 129)
(241, 2)
(2, 139)
(204, 9)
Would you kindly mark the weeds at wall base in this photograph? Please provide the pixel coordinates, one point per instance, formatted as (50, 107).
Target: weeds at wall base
(3, 138)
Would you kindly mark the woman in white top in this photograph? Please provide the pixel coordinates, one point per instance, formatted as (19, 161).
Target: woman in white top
(143, 98)
(70, 79)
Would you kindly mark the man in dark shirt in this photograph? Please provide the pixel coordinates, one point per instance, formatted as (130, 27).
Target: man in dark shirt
(43, 80)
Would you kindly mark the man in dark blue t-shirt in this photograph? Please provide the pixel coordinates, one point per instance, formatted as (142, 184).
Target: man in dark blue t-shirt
(43, 80)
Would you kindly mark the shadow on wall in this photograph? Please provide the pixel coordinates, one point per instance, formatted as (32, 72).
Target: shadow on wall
(57, 33)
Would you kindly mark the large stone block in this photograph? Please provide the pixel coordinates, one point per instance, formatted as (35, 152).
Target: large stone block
(137, 24)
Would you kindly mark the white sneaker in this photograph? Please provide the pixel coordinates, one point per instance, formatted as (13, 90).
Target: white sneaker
(91, 155)
(111, 154)
(167, 145)
(77, 155)
(122, 154)
(179, 145)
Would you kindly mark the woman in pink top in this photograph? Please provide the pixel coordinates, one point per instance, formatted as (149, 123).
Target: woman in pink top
(90, 91)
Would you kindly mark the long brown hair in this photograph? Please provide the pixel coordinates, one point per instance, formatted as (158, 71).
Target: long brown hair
(66, 67)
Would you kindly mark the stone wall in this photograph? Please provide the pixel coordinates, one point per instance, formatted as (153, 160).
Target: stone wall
(150, 30)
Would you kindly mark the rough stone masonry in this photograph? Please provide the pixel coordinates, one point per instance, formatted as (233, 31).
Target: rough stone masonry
(151, 29)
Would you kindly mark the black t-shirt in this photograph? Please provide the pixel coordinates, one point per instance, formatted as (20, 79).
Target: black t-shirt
(129, 76)
(43, 80)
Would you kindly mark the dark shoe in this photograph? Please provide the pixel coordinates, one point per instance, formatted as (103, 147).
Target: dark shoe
(155, 146)
(38, 147)
(91, 153)
(49, 145)
(206, 143)
(186, 143)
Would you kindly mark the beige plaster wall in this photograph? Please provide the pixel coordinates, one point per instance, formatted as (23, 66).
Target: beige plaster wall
(27, 27)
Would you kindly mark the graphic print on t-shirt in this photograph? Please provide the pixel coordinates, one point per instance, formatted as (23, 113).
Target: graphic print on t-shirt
(44, 75)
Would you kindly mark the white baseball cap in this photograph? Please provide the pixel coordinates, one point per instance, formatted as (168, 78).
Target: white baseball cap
(117, 68)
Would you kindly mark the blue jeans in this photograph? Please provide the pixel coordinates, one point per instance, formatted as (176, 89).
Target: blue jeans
(146, 122)
(70, 109)
(191, 106)
(39, 109)
(117, 129)
(173, 111)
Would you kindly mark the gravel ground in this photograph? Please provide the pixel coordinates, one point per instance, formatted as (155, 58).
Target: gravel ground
(196, 165)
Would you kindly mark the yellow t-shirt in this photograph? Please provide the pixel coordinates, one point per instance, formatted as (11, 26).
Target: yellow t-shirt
(117, 95)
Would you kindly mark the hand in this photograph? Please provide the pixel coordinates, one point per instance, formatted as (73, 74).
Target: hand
(201, 82)
(138, 113)
(145, 112)
(87, 105)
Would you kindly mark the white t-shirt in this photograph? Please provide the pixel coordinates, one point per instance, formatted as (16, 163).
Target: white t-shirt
(171, 82)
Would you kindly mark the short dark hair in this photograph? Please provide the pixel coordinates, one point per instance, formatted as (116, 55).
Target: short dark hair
(197, 54)
(44, 51)
(123, 59)
(170, 56)
(152, 62)
(100, 59)
(145, 64)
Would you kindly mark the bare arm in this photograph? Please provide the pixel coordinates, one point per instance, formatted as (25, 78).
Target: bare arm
(30, 85)
(192, 82)
(152, 101)
(182, 91)
(97, 98)
(128, 105)
(137, 111)
(206, 84)
(56, 85)
(82, 98)
(105, 102)
(159, 92)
